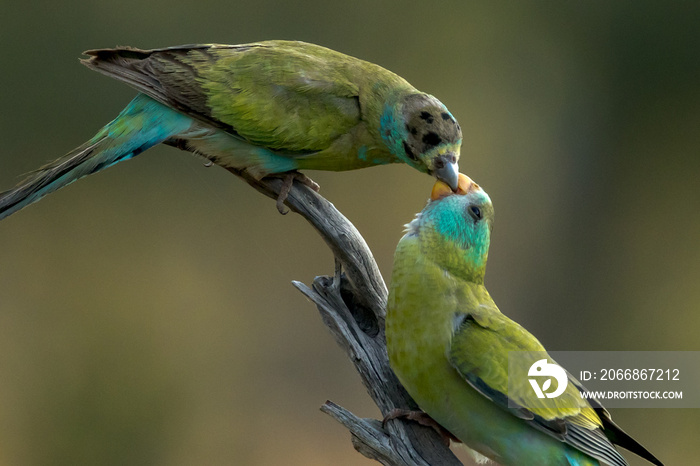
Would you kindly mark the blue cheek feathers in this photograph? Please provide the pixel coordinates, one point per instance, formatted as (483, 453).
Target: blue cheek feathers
(392, 132)
(461, 231)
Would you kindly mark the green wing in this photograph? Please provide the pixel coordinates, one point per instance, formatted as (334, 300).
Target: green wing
(479, 352)
(287, 96)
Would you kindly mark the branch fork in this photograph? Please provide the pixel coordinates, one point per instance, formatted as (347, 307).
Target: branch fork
(352, 304)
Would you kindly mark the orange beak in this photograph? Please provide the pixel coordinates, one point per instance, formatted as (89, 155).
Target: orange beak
(441, 189)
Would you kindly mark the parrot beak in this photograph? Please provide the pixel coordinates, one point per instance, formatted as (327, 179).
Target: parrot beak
(465, 185)
(446, 170)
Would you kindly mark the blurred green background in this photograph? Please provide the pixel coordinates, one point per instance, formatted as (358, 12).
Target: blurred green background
(146, 314)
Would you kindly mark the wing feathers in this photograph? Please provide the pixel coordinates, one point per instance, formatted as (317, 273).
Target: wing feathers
(573, 426)
(288, 97)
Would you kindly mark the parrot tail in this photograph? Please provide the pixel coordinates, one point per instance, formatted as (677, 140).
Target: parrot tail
(141, 125)
(621, 438)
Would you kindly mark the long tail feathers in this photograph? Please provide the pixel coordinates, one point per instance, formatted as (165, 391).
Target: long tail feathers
(621, 438)
(78, 163)
(141, 125)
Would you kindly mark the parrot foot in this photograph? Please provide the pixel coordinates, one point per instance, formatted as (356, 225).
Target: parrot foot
(287, 181)
(423, 419)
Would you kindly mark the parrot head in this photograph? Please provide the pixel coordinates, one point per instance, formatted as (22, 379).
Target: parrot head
(454, 229)
(429, 138)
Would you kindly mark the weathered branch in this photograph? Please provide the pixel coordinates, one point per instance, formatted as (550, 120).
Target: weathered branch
(352, 305)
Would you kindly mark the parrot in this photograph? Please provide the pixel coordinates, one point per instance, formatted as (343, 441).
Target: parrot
(449, 345)
(269, 108)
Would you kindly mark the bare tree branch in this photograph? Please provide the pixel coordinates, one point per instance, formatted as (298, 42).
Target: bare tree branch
(352, 304)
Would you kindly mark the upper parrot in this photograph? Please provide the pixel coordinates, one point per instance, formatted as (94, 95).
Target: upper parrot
(267, 107)
(449, 346)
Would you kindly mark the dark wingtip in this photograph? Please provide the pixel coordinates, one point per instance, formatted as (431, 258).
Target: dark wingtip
(126, 51)
(623, 439)
(123, 52)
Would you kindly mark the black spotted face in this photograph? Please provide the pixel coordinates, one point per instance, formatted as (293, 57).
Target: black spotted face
(429, 125)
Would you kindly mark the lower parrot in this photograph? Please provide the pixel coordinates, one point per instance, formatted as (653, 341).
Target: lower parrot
(449, 345)
(268, 108)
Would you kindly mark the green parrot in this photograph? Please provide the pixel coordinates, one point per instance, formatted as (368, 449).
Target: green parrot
(449, 346)
(268, 108)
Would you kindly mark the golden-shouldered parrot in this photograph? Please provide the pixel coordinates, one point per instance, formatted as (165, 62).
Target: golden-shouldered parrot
(268, 107)
(449, 345)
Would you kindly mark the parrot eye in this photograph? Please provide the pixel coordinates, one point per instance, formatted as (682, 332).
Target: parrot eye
(475, 212)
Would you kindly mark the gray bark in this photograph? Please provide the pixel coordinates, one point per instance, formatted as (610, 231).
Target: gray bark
(352, 305)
